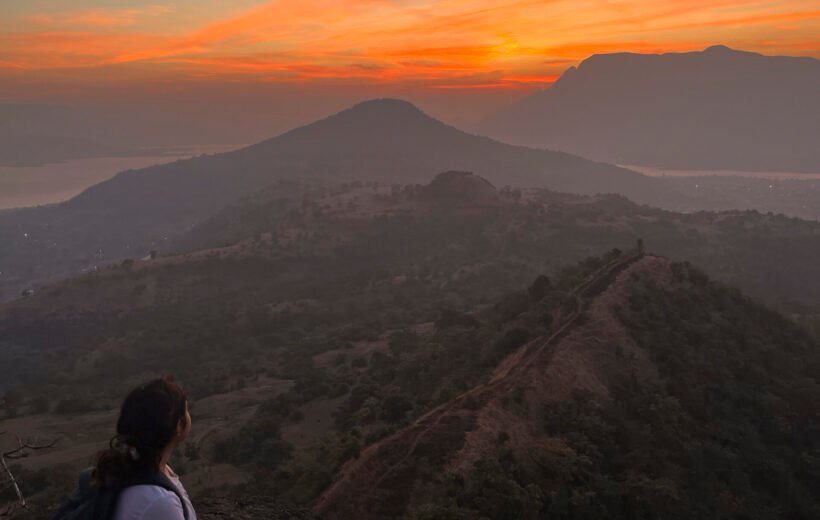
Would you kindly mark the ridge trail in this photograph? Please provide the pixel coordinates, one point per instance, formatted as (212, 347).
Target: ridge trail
(461, 407)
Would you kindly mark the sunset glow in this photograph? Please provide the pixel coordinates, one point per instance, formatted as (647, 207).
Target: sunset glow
(427, 44)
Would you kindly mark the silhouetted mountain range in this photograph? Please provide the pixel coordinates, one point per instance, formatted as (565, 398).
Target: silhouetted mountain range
(715, 109)
(382, 140)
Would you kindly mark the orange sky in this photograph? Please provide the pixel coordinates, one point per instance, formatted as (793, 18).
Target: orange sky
(419, 44)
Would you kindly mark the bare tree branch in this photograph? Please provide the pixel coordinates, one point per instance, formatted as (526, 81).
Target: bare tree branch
(22, 450)
(14, 483)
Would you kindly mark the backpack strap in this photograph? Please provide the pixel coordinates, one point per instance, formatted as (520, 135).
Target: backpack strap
(84, 482)
(161, 480)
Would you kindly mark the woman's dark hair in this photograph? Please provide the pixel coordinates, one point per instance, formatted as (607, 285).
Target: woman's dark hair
(148, 422)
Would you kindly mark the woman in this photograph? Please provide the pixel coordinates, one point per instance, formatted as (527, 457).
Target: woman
(153, 421)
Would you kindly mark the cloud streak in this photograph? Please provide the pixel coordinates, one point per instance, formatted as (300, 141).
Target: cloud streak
(98, 18)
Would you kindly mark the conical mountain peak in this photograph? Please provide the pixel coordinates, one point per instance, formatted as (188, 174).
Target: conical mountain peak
(389, 106)
(376, 112)
(366, 124)
(715, 49)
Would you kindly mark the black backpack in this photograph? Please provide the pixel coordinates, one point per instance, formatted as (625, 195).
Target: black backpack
(93, 502)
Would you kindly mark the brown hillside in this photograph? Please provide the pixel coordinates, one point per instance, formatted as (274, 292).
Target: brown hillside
(588, 350)
(455, 188)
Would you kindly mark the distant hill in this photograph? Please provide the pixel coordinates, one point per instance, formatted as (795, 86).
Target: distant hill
(770, 256)
(382, 140)
(393, 141)
(715, 109)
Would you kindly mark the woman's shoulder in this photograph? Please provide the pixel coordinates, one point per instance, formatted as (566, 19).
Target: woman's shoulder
(146, 501)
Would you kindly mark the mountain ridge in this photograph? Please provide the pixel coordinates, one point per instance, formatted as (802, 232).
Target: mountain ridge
(463, 415)
(493, 437)
(705, 110)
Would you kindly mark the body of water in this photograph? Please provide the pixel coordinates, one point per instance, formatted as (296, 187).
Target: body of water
(50, 183)
(662, 172)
